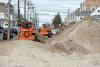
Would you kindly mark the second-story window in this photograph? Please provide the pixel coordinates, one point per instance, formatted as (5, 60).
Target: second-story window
(98, 10)
(93, 8)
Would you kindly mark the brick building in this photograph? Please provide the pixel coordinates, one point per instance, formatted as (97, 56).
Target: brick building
(92, 4)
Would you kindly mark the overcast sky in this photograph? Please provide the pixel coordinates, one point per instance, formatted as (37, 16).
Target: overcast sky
(47, 8)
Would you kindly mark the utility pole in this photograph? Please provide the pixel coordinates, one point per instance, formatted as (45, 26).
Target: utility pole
(78, 13)
(73, 15)
(25, 9)
(81, 11)
(18, 10)
(31, 10)
(37, 22)
(9, 12)
(33, 15)
(68, 16)
(35, 18)
(28, 10)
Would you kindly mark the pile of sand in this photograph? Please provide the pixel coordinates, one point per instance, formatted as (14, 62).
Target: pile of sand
(33, 54)
(82, 37)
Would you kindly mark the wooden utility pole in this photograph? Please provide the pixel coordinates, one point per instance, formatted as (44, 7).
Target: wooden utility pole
(31, 10)
(30, 15)
(36, 19)
(37, 22)
(9, 12)
(73, 15)
(25, 9)
(33, 15)
(68, 16)
(28, 10)
(18, 10)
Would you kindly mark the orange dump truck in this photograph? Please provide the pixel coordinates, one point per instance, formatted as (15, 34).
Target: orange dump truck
(27, 32)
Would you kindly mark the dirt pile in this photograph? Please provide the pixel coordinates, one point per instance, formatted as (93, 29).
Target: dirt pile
(84, 35)
(33, 54)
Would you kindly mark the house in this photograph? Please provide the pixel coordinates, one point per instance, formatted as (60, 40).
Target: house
(92, 4)
(87, 9)
(96, 13)
(4, 15)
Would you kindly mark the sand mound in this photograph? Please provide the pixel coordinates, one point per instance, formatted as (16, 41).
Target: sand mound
(69, 47)
(85, 34)
(33, 54)
(80, 38)
(88, 35)
(8, 47)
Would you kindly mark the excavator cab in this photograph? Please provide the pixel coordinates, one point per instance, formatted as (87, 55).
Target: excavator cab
(45, 31)
(27, 32)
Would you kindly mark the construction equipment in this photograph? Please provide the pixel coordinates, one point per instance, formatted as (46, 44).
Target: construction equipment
(46, 31)
(27, 32)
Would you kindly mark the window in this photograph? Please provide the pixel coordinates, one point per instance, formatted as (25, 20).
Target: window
(98, 10)
(6, 24)
(93, 8)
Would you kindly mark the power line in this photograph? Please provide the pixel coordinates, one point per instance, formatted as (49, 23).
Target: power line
(51, 11)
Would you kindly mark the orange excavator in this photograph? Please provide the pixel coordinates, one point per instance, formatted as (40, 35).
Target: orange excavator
(27, 31)
(45, 31)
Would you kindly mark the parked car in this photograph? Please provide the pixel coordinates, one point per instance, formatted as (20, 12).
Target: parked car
(3, 34)
(55, 31)
(14, 31)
